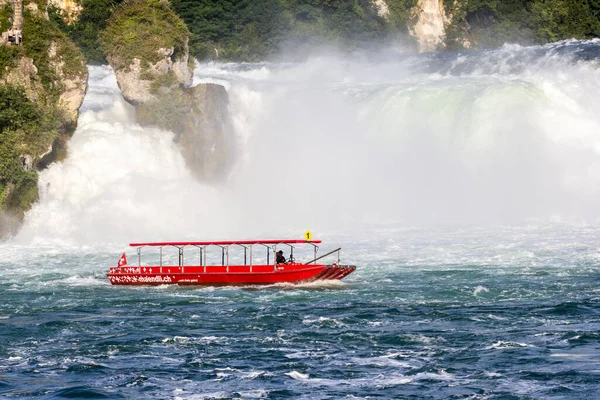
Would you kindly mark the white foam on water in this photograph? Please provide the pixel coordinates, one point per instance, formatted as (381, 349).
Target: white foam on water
(252, 375)
(501, 344)
(480, 289)
(297, 375)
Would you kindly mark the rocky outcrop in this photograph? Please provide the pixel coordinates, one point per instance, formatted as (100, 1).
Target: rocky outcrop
(206, 140)
(25, 75)
(154, 74)
(73, 85)
(199, 117)
(138, 82)
(45, 80)
(69, 9)
(428, 27)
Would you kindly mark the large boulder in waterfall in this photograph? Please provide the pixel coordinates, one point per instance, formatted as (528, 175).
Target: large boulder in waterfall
(42, 85)
(147, 46)
(200, 119)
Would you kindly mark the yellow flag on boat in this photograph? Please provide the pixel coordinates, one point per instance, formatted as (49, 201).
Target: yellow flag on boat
(308, 236)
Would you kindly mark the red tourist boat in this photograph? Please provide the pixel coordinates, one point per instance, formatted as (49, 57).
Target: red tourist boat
(241, 271)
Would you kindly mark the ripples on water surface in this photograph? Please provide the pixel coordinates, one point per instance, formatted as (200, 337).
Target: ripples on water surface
(464, 313)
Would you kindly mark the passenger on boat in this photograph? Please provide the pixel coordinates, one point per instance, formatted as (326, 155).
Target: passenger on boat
(280, 258)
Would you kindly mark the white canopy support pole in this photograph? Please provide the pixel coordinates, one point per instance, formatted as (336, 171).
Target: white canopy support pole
(200, 251)
(315, 257)
(160, 263)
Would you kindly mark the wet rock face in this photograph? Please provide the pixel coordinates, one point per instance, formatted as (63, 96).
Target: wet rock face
(206, 140)
(199, 117)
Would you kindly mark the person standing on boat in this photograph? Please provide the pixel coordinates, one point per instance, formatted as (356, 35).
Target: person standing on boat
(280, 258)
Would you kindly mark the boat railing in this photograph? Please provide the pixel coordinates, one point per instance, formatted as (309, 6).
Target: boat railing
(325, 255)
(248, 252)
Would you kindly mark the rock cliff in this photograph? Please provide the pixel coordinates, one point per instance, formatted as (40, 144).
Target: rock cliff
(429, 24)
(43, 82)
(147, 46)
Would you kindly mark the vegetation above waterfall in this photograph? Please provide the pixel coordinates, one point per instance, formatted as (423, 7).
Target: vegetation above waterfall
(253, 30)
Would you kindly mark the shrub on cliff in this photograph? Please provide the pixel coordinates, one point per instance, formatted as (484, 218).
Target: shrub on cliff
(139, 29)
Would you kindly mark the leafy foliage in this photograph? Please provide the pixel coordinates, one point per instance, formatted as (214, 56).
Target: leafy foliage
(5, 15)
(253, 30)
(85, 32)
(8, 57)
(562, 19)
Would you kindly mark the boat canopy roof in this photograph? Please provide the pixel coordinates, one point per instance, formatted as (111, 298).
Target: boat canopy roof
(227, 243)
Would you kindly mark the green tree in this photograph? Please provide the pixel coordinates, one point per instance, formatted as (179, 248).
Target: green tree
(565, 19)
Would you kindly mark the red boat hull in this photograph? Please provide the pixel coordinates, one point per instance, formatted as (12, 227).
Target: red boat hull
(231, 275)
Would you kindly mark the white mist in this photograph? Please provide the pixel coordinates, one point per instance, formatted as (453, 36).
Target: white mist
(331, 144)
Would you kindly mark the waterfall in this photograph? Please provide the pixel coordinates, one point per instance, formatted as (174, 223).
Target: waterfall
(502, 136)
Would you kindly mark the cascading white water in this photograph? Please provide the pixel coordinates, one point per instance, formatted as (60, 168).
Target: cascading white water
(332, 143)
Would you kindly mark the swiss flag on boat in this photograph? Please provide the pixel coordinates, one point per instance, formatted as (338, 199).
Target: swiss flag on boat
(122, 261)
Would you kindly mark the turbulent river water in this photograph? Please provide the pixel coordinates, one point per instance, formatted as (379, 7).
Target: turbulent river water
(464, 186)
